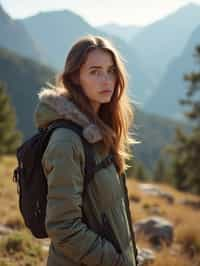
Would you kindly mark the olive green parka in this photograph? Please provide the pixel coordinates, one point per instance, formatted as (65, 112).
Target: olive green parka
(73, 242)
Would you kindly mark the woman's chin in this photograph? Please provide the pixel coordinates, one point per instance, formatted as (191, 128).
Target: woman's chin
(105, 99)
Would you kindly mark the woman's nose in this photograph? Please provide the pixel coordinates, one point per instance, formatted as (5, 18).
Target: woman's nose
(106, 77)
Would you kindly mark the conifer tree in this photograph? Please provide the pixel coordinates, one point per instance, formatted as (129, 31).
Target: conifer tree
(159, 171)
(10, 137)
(186, 152)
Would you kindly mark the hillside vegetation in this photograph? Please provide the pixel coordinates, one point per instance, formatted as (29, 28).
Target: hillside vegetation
(21, 249)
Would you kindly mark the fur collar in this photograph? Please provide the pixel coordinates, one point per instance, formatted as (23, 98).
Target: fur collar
(68, 110)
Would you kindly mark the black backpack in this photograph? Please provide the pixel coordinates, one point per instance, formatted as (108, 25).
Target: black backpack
(32, 184)
(31, 181)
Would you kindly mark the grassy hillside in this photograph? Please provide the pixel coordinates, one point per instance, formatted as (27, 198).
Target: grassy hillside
(23, 78)
(154, 132)
(20, 248)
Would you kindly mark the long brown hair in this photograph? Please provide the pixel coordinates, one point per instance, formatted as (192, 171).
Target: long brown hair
(114, 118)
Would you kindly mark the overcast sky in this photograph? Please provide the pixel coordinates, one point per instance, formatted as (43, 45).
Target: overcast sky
(98, 12)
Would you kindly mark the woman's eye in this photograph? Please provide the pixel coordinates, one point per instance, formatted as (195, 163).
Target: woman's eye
(97, 72)
(113, 70)
(94, 72)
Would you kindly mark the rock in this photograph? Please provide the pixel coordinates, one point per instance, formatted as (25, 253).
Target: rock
(167, 196)
(5, 230)
(145, 256)
(134, 198)
(154, 210)
(156, 191)
(45, 244)
(149, 188)
(191, 203)
(157, 229)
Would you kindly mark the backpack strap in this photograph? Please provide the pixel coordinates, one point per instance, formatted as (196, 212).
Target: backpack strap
(105, 163)
(90, 164)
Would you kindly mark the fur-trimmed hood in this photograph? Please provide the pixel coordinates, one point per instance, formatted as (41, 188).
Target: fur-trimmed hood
(53, 105)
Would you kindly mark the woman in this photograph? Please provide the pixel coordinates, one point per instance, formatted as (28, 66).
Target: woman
(91, 91)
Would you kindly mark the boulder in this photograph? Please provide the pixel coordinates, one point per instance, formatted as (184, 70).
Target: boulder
(156, 191)
(157, 229)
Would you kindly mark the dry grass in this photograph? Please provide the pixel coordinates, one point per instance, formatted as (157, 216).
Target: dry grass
(9, 211)
(18, 248)
(185, 250)
(167, 258)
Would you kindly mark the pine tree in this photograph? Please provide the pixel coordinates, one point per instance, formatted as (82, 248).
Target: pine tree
(140, 173)
(159, 172)
(186, 152)
(10, 137)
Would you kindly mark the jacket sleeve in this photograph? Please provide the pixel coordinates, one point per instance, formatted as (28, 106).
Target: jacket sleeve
(62, 166)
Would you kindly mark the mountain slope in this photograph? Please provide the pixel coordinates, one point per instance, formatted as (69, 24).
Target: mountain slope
(13, 36)
(57, 45)
(172, 87)
(23, 78)
(164, 39)
(126, 33)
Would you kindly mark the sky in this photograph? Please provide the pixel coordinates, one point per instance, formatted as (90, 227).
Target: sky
(99, 12)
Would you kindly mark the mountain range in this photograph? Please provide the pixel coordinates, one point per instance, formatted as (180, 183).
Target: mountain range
(172, 86)
(24, 78)
(34, 49)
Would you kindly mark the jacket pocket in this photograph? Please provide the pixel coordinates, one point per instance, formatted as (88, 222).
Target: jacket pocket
(108, 233)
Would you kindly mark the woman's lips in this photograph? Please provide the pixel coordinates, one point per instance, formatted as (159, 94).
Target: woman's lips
(106, 91)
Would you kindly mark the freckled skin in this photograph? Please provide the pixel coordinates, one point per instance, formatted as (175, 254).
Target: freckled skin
(95, 80)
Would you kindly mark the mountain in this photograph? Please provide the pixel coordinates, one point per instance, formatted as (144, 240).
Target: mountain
(14, 37)
(57, 45)
(154, 132)
(53, 31)
(126, 33)
(23, 78)
(158, 43)
(172, 87)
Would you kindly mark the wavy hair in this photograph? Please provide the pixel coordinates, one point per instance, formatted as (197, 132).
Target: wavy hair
(115, 117)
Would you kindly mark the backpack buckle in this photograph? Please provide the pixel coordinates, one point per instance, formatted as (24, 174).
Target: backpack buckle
(15, 175)
(16, 178)
(105, 163)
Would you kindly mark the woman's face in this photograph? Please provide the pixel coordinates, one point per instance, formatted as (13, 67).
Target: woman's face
(98, 74)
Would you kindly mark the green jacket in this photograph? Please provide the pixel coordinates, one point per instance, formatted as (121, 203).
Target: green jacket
(73, 242)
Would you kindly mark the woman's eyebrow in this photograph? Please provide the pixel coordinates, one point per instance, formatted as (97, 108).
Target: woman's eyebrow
(100, 66)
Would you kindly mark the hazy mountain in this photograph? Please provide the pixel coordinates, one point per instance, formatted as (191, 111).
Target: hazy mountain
(14, 37)
(23, 78)
(159, 42)
(52, 30)
(172, 87)
(126, 33)
(154, 132)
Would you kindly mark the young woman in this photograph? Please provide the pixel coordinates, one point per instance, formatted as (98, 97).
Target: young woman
(92, 92)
